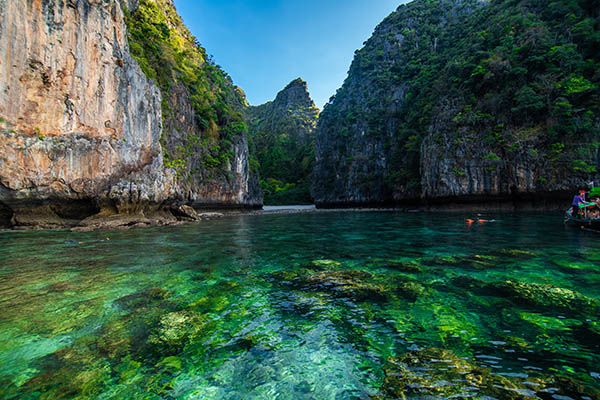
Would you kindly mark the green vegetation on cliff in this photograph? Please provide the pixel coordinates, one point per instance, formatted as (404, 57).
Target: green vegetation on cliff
(173, 58)
(485, 84)
(282, 142)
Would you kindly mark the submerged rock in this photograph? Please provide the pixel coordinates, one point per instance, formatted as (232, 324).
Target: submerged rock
(479, 262)
(402, 266)
(515, 253)
(438, 261)
(468, 282)
(546, 296)
(582, 267)
(438, 373)
(128, 335)
(406, 266)
(411, 290)
(563, 387)
(73, 372)
(352, 284)
(175, 329)
(144, 298)
(325, 263)
(357, 285)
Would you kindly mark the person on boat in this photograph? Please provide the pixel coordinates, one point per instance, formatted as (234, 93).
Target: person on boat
(579, 198)
(594, 212)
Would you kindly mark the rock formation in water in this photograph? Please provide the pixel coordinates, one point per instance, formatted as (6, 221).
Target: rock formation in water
(282, 140)
(466, 100)
(85, 131)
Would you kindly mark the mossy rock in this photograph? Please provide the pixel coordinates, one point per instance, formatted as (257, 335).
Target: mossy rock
(116, 339)
(283, 277)
(439, 373)
(144, 298)
(567, 387)
(516, 253)
(575, 268)
(480, 262)
(544, 322)
(410, 267)
(442, 261)
(175, 329)
(411, 291)
(407, 266)
(128, 335)
(351, 284)
(325, 263)
(468, 282)
(545, 296)
(304, 303)
(73, 372)
(518, 343)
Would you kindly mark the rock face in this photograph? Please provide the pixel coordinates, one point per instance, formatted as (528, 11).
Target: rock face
(205, 135)
(282, 140)
(449, 100)
(80, 123)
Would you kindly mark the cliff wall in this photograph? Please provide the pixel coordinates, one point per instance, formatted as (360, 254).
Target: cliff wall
(81, 123)
(205, 135)
(466, 100)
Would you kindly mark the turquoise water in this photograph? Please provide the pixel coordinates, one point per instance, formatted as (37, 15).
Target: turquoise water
(320, 305)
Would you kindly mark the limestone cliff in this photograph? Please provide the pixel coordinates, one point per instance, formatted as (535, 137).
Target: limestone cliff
(466, 99)
(81, 123)
(282, 142)
(205, 135)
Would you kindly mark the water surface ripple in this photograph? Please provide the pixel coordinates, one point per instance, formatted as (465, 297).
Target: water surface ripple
(319, 305)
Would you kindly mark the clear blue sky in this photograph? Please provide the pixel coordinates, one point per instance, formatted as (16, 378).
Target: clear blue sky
(265, 44)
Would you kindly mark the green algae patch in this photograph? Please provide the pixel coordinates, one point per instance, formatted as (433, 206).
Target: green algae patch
(435, 372)
(442, 261)
(171, 362)
(546, 296)
(325, 263)
(549, 323)
(353, 284)
(480, 262)
(408, 266)
(439, 373)
(577, 267)
(411, 291)
(175, 329)
(517, 254)
(145, 298)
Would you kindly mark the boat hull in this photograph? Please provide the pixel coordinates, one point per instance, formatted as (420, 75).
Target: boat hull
(582, 222)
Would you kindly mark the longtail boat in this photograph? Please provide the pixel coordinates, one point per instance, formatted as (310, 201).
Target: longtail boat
(583, 219)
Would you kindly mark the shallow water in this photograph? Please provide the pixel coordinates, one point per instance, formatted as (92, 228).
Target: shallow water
(321, 305)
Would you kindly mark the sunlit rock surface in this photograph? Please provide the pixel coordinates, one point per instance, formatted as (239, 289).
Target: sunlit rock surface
(80, 123)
